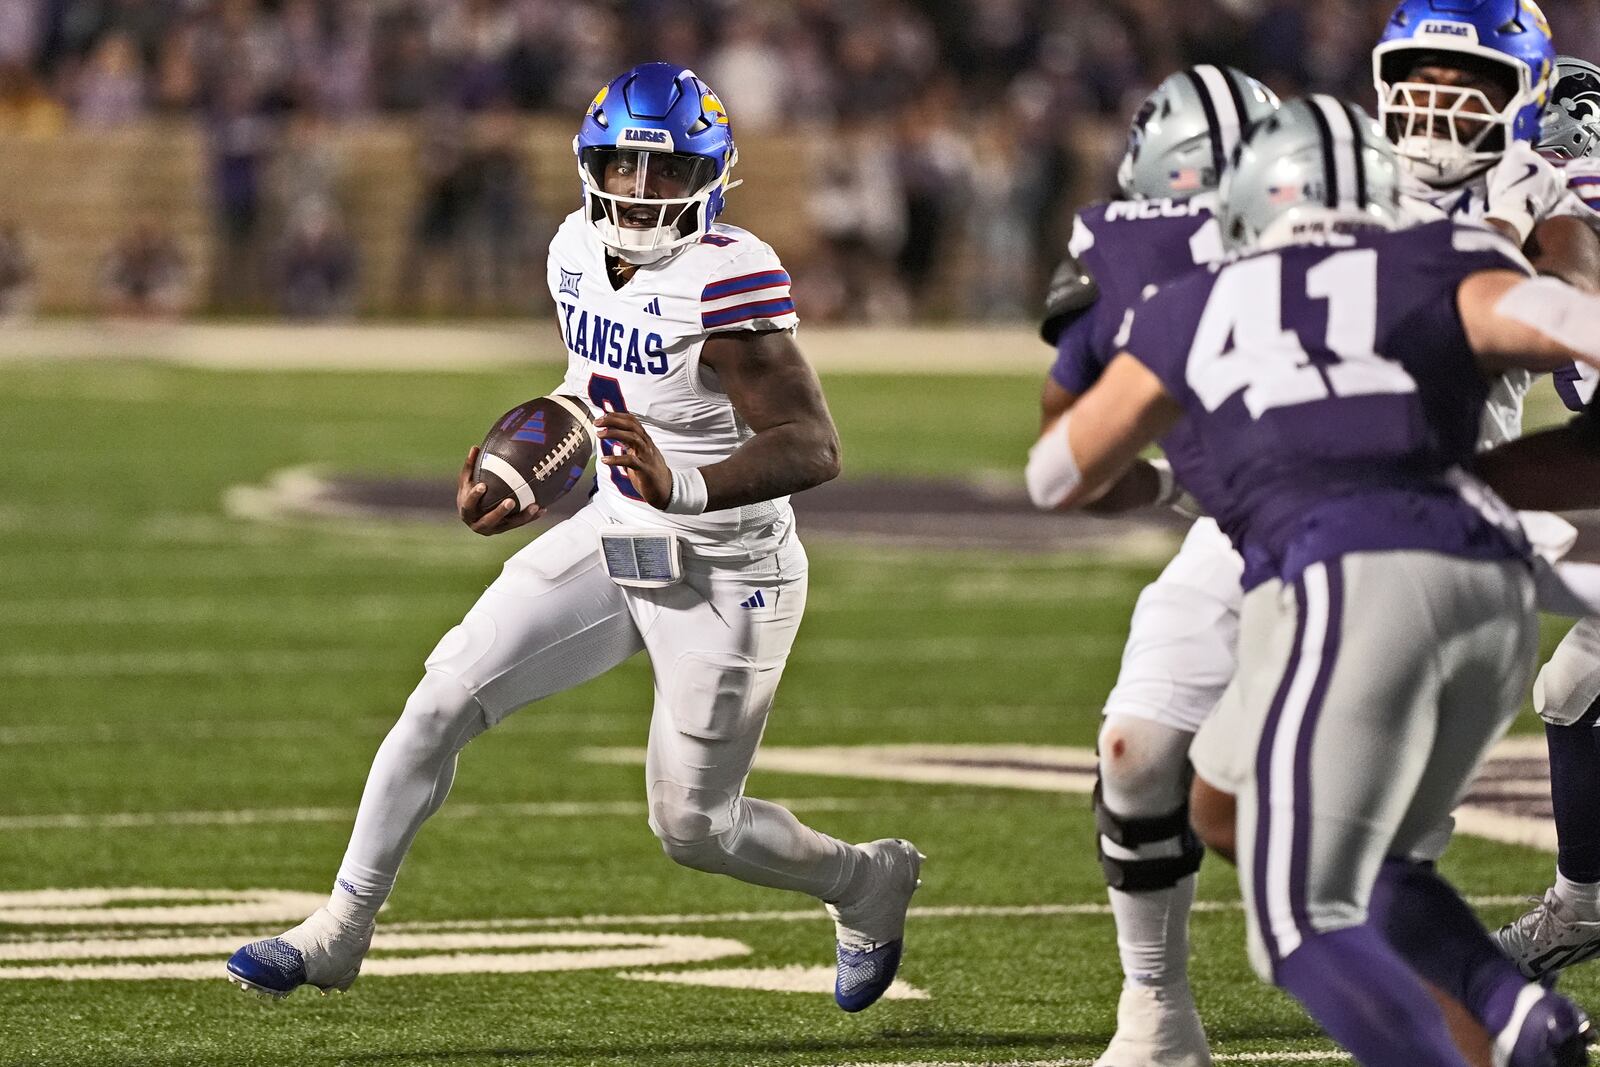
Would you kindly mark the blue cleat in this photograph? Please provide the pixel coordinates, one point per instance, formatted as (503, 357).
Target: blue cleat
(272, 968)
(865, 976)
(870, 927)
(319, 952)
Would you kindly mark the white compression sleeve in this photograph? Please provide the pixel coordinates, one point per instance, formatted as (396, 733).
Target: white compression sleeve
(1557, 310)
(1052, 472)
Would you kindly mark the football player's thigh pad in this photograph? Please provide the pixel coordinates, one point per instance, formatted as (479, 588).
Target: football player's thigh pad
(551, 620)
(715, 695)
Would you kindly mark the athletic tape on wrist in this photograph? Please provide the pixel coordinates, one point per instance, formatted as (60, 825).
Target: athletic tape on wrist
(688, 492)
(1052, 472)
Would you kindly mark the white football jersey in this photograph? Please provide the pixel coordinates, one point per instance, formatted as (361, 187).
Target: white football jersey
(1502, 412)
(1576, 384)
(1583, 182)
(637, 348)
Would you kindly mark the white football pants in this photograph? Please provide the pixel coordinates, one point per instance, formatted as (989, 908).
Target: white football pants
(717, 642)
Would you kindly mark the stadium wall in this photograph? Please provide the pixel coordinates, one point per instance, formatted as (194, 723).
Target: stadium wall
(471, 346)
(75, 193)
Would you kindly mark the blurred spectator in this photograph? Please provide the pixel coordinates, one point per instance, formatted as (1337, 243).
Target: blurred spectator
(25, 108)
(111, 87)
(439, 220)
(748, 72)
(240, 142)
(21, 30)
(17, 289)
(317, 267)
(146, 276)
(498, 218)
(936, 170)
(402, 67)
(306, 169)
(858, 209)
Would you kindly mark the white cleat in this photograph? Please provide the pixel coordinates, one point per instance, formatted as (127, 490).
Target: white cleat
(1157, 1026)
(1548, 939)
(870, 928)
(319, 952)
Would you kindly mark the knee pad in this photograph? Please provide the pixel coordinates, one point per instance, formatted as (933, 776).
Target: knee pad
(1569, 684)
(1142, 854)
(441, 711)
(691, 823)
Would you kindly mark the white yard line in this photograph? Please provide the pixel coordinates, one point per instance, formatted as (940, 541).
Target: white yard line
(948, 911)
(160, 610)
(280, 663)
(117, 911)
(128, 820)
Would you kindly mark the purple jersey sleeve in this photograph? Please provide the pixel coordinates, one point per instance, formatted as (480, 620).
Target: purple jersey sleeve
(1081, 350)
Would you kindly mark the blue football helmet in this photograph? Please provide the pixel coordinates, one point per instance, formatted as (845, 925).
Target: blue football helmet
(1570, 127)
(1446, 134)
(654, 155)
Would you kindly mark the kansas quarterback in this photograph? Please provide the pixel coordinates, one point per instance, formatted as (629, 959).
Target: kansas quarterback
(679, 331)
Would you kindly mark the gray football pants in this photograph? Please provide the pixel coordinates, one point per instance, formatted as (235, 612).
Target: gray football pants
(1368, 692)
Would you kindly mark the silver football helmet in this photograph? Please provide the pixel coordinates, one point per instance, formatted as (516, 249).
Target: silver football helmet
(1570, 125)
(1185, 131)
(1317, 168)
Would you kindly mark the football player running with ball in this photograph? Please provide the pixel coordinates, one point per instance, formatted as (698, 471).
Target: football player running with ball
(679, 332)
(1334, 373)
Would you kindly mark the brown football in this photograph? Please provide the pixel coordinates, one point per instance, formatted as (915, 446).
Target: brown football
(536, 452)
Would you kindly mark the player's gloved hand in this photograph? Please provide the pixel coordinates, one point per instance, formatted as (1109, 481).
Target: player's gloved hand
(498, 519)
(1523, 189)
(639, 459)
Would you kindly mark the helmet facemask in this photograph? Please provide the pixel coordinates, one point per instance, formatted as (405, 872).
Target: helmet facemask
(647, 204)
(1448, 133)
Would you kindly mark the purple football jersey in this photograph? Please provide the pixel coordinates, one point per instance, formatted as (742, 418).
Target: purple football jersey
(1331, 394)
(1127, 245)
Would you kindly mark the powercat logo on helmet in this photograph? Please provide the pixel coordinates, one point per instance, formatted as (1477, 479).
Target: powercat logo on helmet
(635, 135)
(1440, 28)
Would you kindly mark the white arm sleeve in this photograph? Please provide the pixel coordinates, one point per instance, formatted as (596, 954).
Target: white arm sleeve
(1557, 310)
(1052, 472)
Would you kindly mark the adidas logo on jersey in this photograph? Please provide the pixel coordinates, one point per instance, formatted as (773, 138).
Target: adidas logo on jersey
(654, 307)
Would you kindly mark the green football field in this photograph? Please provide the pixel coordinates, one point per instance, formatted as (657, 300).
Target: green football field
(189, 701)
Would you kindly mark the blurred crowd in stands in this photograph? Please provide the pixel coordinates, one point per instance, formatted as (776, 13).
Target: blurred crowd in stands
(938, 131)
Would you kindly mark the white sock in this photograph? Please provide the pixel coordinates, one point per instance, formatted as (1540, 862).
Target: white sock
(356, 907)
(1153, 933)
(410, 778)
(1582, 897)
